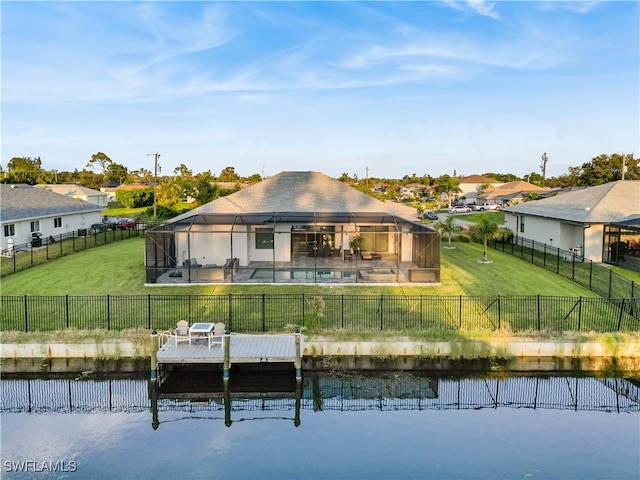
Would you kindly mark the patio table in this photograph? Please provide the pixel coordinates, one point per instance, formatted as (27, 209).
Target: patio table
(198, 330)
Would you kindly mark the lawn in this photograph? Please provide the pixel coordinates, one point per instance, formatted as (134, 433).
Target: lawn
(118, 269)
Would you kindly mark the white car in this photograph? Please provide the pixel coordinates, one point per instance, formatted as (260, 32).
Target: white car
(459, 209)
(486, 206)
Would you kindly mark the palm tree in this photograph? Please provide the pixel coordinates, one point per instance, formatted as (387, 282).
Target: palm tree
(485, 230)
(447, 227)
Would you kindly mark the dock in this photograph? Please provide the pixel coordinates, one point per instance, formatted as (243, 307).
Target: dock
(232, 349)
(242, 349)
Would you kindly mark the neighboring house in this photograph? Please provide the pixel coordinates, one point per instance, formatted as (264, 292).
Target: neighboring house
(578, 219)
(470, 186)
(509, 192)
(79, 193)
(27, 209)
(287, 217)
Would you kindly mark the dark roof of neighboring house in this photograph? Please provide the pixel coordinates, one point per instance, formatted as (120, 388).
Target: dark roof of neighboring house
(23, 202)
(608, 203)
(291, 193)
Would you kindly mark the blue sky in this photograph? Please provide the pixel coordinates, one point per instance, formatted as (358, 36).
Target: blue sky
(397, 88)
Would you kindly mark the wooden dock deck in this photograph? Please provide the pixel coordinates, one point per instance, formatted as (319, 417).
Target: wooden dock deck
(242, 349)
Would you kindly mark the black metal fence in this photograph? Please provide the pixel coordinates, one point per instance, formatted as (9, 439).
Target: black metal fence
(597, 278)
(358, 313)
(27, 255)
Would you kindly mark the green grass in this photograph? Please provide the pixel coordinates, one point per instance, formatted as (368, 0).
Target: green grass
(494, 216)
(118, 269)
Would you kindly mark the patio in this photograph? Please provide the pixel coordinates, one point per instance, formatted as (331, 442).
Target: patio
(380, 268)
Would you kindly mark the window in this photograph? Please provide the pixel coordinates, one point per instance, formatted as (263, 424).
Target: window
(264, 238)
(521, 223)
(57, 222)
(10, 230)
(35, 226)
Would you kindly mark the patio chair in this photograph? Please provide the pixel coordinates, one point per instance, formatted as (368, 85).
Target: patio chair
(181, 332)
(217, 336)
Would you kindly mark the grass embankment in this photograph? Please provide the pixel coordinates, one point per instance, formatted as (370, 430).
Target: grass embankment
(118, 269)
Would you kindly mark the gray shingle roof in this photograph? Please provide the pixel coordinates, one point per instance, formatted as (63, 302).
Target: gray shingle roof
(22, 202)
(606, 203)
(297, 192)
(72, 190)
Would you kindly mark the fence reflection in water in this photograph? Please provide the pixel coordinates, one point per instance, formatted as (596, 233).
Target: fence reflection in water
(384, 392)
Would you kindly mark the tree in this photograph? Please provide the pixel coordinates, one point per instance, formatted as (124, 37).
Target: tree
(90, 179)
(448, 185)
(228, 174)
(169, 192)
(99, 160)
(484, 230)
(447, 227)
(604, 169)
(117, 173)
(24, 170)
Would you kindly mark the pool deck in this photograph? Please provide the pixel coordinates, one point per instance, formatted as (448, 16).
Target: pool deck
(314, 270)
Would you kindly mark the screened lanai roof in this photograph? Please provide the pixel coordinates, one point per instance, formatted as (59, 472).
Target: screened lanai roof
(297, 197)
(271, 218)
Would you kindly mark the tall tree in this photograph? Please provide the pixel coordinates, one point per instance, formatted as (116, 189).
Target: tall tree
(604, 169)
(228, 174)
(99, 160)
(117, 173)
(24, 170)
(448, 185)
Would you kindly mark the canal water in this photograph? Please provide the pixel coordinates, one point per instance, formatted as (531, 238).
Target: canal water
(332, 425)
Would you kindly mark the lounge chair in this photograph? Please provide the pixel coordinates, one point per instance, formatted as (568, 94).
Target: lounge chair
(181, 332)
(217, 336)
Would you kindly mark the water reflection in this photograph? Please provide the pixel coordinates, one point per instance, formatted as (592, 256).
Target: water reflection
(279, 395)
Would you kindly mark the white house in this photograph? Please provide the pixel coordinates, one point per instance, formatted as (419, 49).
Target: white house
(471, 185)
(577, 219)
(79, 193)
(27, 209)
(288, 218)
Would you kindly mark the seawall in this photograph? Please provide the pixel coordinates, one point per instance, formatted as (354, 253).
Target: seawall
(518, 353)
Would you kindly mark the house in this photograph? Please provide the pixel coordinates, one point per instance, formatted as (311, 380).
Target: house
(579, 219)
(471, 185)
(290, 219)
(508, 193)
(79, 193)
(27, 209)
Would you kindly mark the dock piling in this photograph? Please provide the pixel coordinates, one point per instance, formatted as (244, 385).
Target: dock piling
(154, 358)
(298, 359)
(227, 356)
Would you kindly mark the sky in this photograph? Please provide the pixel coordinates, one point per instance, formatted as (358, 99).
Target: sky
(371, 89)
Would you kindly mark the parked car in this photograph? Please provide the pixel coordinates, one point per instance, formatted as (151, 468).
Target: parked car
(126, 224)
(486, 206)
(107, 223)
(432, 215)
(459, 209)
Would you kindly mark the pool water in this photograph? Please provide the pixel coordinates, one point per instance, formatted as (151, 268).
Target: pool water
(299, 274)
(345, 425)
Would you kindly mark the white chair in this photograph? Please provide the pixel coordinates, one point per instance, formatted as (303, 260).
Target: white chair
(181, 332)
(217, 336)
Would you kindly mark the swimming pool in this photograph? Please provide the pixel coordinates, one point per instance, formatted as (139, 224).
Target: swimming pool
(301, 274)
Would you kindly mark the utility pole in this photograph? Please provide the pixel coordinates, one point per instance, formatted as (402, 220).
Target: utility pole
(155, 181)
(624, 166)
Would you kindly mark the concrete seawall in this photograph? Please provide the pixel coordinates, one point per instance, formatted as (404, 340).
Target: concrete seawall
(522, 353)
